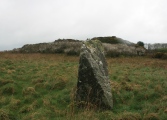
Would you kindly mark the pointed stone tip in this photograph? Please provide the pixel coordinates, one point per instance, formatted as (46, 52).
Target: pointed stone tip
(94, 44)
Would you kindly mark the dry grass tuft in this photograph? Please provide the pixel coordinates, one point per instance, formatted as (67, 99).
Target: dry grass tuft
(4, 82)
(2, 99)
(29, 91)
(4, 115)
(126, 86)
(39, 86)
(56, 84)
(164, 99)
(32, 116)
(130, 116)
(165, 111)
(3, 69)
(38, 81)
(15, 102)
(10, 89)
(59, 112)
(85, 115)
(46, 102)
(11, 71)
(158, 88)
(29, 108)
(151, 116)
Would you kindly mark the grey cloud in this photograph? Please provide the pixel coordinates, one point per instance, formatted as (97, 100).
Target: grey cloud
(32, 21)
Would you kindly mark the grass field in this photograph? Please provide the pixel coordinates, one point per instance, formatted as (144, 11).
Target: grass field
(42, 87)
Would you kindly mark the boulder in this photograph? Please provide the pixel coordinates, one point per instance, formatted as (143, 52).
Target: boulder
(93, 85)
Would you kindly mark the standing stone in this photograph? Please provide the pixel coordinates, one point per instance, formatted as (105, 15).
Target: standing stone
(93, 85)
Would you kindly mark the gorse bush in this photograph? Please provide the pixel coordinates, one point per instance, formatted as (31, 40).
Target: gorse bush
(111, 40)
(159, 55)
(140, 43)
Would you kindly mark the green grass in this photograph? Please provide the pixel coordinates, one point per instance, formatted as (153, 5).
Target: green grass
(42, 87)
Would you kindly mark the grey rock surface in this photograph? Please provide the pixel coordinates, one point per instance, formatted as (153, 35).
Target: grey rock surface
(93, 85)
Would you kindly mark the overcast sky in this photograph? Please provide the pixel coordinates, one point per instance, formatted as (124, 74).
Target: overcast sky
(34, 21)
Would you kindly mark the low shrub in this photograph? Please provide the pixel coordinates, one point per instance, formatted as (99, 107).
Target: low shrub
(163, 50)
(73, 52)
(111, 40)
(140, 43)
(112, 54)
(117, 54)
(60, 50)
(160, 55)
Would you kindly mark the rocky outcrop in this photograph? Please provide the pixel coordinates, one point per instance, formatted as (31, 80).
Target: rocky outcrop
(93, 85)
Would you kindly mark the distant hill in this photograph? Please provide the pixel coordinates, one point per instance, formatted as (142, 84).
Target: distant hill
(113, 47)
